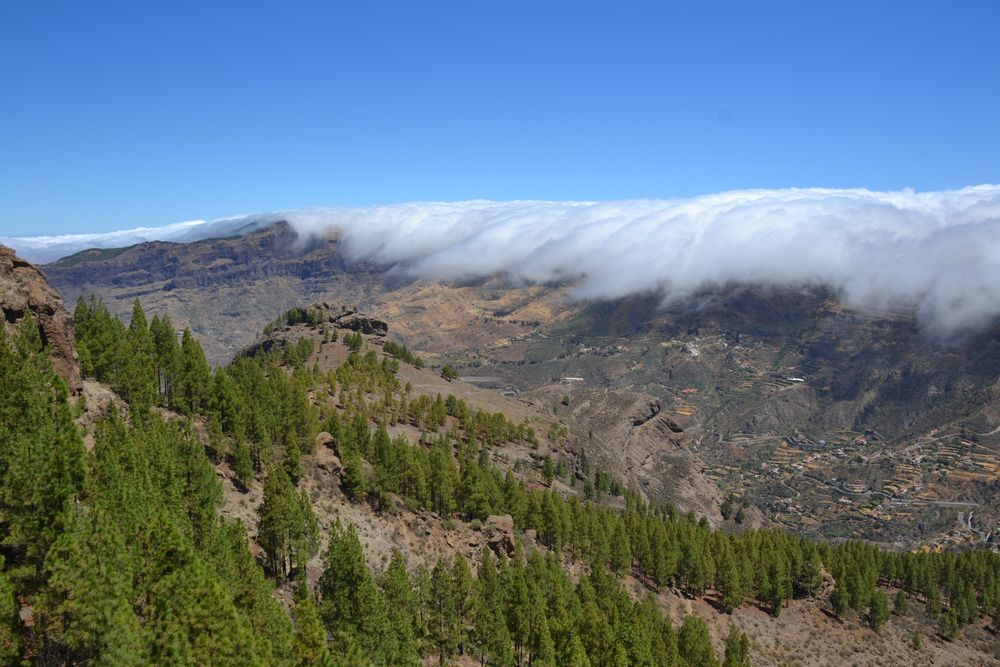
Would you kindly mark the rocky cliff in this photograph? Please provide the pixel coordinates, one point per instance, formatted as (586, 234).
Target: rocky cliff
(23, 290)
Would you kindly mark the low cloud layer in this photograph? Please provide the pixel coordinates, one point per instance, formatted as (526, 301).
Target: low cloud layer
(935, 252)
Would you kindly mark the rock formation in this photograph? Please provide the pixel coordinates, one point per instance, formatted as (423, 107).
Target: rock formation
(339, 316)
(23, 290)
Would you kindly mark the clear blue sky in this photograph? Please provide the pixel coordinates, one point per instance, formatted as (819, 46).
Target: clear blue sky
(116, 115)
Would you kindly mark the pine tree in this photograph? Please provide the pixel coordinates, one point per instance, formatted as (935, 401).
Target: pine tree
(352, 480)
(737, 649)
(350, 603)
(309, 647)
(621, 551)
(726, 509)
(402, 607)
(194, 377)
(41, 451)
(730, 581)
(518, 597)
(193, 622)
(281, 521)
(135, 374)
(878, 611)
(441, 616)
(101, 340)
(541, 648)
(293, 461)
(949, 625)
(838, 600)
(253, 594)
(242, 464)
(576, 654)
(810, 576)
(900, 605)
(779, 588)
(88, 597)
(167, 354)
(489, 629)
(694, 644)
(461, 601)
(442, 480)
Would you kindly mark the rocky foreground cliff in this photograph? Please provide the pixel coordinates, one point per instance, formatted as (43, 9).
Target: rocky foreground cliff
(24, 292)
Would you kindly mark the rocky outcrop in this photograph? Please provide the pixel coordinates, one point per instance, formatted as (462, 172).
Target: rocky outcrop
(347, 317)
(647, 411)
(336, 316)
(24, 290)
(498, 531)
(644, 412)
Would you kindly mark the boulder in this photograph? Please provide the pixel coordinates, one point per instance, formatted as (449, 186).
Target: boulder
(498, 532)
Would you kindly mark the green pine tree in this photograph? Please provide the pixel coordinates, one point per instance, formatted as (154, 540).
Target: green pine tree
(694, 644)
(737, 649)
(309, 647)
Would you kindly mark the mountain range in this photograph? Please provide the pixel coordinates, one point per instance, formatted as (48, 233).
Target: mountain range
(757, 377)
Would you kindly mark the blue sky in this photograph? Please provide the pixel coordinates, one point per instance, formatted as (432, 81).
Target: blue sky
(115, 115)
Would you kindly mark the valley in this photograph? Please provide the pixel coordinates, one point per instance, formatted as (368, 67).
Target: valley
(826, 421)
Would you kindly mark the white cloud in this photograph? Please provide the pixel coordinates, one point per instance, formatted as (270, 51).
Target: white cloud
(936, 252)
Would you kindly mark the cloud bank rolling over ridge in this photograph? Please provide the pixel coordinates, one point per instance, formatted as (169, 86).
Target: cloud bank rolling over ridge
(935, 252)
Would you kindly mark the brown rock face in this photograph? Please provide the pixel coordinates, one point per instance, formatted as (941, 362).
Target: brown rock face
(23, 289)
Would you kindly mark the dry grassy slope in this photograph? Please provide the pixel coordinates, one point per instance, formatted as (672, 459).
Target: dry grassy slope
(624, 432)
(462, 319)
(423, 536)
(807, 635)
